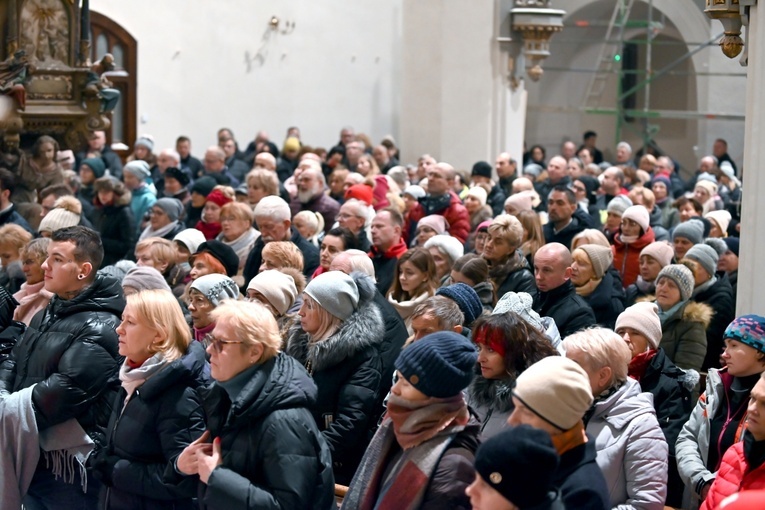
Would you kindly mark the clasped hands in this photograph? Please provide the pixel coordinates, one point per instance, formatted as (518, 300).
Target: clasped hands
(200, 457)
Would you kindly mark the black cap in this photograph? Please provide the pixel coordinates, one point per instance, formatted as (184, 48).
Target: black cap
(204, 185)
(482, 169)
(179, 175)
(223, 252)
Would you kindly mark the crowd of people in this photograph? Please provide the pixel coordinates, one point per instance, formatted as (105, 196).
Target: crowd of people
(293, 327)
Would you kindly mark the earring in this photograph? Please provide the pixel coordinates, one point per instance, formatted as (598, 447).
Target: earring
(80, 276)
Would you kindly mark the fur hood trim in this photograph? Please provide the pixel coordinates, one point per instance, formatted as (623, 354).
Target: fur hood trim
(698, 312)
(363, 329)
(491, 393)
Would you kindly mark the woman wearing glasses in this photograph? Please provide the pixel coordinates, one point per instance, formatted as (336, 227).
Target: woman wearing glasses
(262, 448)
(205, 294)
(158, 411)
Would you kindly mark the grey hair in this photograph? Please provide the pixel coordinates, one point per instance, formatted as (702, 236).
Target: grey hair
(445, 310)
(624, 145)
(601, 348)
(273, 208)
(361, 209)
(173, 154)
(360, 261)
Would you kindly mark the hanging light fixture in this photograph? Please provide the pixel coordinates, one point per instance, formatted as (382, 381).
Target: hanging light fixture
(729, 14)
(537, 23)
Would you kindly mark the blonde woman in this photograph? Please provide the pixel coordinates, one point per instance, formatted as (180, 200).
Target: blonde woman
(158, 412)
(508, 268)
(32, 297)
(414, 281)
(266, 450)
(338, 340)
(237, 231)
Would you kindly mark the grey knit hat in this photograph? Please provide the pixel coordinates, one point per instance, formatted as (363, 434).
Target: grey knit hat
(704, 255)
(600, 257)
(681, 276)
(172, 207)
(336, 292)
(520, 303)
(216, 287)
(619, 204)
(692, 230)
(118, 270)
(143, 278)
(139, 168)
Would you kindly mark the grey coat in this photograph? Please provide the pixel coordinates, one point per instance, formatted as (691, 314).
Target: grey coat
(632, 451)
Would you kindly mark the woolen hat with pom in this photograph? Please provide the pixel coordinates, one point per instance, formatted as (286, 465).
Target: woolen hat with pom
(65, 213)
(439, 365)
(643, 318)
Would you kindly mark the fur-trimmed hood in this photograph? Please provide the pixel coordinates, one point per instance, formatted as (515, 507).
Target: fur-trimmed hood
(492, 394)
(692, 311)
(363, 329)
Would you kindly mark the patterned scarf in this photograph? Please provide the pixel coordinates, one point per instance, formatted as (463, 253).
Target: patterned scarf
(416, 422)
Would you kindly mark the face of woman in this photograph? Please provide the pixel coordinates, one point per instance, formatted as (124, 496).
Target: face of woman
(667, 293)
(701, 195)
(659, 191)
(537, 154)
(637, 343)
(199, 268)
(630, 228)
(135, 338)
(742, 360)
(364, 167)
(200, 308)
(687, 212)
(211, 213)
(491, 362)
(458, 277)
(715, 231)
(728, 262)
(497, 249)
(575, 170)
(310, 319)
(613, 221)
(485, 497)
(581, 268)
(580, 191)
(106, 197)
(144, 258)
(256, 297)
(255, 194)
(233, 358)
(649, 268)
(480, 242)
(32, 270)
(303, 228)
(336, 184)
(269, 262)
(232, 228)
(442, 262)
(681, 245)
(424, 233)
(141, 152)
(472, 204)
(172, 186)
(159, 218)
(330, 247)
(410, 277)
(405, 390)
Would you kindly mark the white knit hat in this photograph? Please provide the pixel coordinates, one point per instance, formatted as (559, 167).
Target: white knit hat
(66, 213)
(191, 238)
(638, 214)
(520, 303)
(721, 217)
(661, 251)
(479, 194)
(446, 243)
(278, 288)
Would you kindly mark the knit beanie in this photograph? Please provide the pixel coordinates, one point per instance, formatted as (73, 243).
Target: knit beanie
(118, 270)
(139, 168)
(638, 214)
(706, 176)
(533, 170)
(519, 463)
(691, 230)
(619, 204)
(336, 292)
(600, 257)
(171, 206)
(661, 251)
(278, 289)
(591, 185)
(439, 365)
(749, 330)
(731, 242)
(143, 278)
(521, 201)
(681, 276)
(664, 180)
(721, 217)
(217, 197)
(556, 389)
(224, 253)
(451, 245)
(704, 255)
(216, 287)
(414, 191)
(191, 238)
(727, 169)
(204, 185)
(360, 192)
(436, 222)
(179, 175)
(380, 192)
(481, 169)
(479, 194)
(643, 318)
(709, 186)
(466, 298)
(145, 141)
(717, 245)
(483, 226)
(97, 165)
(521, 304)
(66, 213)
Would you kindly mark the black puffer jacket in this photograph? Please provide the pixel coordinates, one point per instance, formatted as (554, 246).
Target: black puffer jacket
(514, 276)
(347, 369)
(606, 301)
(70, 351)
(163, 416)
(116, 225)
(273, 454)
(720, 297)
(393, 341)
(569, 311)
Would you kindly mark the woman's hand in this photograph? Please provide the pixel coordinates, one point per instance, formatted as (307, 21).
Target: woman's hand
(208, 462)
(188, 460)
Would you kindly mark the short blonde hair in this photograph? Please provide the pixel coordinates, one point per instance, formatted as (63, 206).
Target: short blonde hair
(14, 236)
(36, 249)
(159, 310)
(589, 236)
(286, 252)
(601, 348)
(314, 220)
(264, 179)
(509, 228)
(252, 323)
(161, 250)
(238, 211)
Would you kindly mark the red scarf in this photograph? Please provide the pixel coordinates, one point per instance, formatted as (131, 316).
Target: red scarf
(414, 422)
(393, 252)
(210, 230)
(640, 363)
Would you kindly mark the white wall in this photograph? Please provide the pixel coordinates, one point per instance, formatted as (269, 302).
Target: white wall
(340, 66)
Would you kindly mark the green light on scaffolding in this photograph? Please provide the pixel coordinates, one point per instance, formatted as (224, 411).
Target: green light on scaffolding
(617, 58)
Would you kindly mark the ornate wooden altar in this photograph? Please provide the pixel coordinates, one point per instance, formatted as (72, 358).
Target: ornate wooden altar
(46, 52)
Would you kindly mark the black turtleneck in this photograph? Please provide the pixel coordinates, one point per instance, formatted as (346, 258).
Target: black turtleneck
(754, 452)
(726, 421)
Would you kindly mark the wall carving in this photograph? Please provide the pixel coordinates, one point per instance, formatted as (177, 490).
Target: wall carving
(45, 33)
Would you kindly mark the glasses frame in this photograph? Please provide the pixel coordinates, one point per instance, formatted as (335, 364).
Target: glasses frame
(217, 343)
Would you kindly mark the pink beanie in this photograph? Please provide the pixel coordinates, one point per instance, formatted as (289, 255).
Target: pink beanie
(638, 214)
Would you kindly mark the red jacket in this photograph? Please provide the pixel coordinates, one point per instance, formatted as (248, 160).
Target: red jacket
(627, 256)
(456, 215)
(733, 476)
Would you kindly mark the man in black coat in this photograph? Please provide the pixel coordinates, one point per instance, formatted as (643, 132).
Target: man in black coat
(8, 213)
(272, 215)
(97, 144)
(75, 374)
(557, 297)
(566, 220)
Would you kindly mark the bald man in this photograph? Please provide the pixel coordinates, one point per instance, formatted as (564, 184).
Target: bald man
(557, 297)
(557, 175)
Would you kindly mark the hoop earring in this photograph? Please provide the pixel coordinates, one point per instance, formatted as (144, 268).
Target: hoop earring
(80, 276)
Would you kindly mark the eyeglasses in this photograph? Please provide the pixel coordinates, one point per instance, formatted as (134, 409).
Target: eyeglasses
(217, 343)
